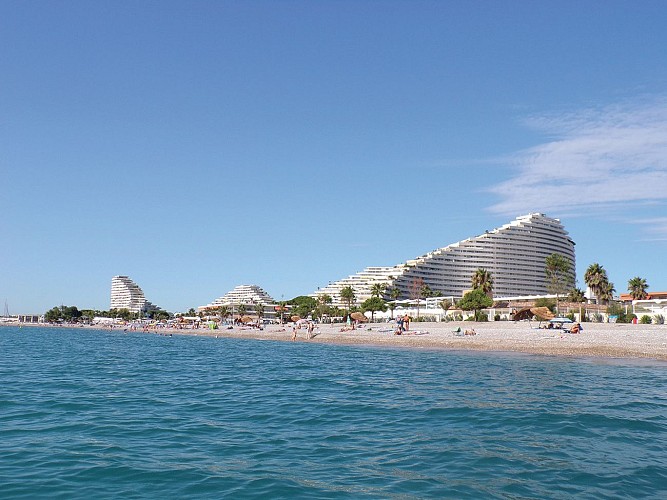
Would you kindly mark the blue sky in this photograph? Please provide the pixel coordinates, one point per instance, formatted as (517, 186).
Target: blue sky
(199, 145)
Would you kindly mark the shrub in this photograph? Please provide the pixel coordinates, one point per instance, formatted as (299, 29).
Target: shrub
(659, 319)
(597, 318)
(496, 317)
(570, 316)
(645, 320)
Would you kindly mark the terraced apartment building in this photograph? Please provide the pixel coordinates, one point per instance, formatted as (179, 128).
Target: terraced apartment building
(514, 254)
(126, 294)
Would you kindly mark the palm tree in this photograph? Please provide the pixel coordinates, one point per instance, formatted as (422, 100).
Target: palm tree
(394, 294)
(224, 312)
(637, 287)
(259, 310)
(347, 294)
(323, 302)
(377, 290)
(576, 295)
(282, 307)
(426, 291)
(596, 279)
(482, 279)
(607, 291)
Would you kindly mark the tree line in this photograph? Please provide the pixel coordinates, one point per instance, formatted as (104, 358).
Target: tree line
(560, 282)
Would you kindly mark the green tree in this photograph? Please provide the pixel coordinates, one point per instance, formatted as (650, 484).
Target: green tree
(242, 309)
(52, 315)
(303, 305)
(548, 303)
(475, 301)
(426, 292)
(374, 304)
(347, 294)
(482, 280)
(637, 287)
(445, 305)
(557, 268)
(159, 315)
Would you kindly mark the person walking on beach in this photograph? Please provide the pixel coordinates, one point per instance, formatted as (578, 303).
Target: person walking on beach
(399, 325)
(311, 327)
(294, 332)
(406, 323)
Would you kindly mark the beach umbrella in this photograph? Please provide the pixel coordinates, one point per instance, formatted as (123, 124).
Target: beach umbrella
(357, 316)
(245, 319)
(529, 312)
(295, 318)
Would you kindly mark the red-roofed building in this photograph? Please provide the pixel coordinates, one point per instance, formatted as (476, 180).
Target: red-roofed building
(626, 297)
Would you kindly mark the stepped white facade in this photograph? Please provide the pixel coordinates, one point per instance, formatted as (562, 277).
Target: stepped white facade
(126, 294)
(241, 295)
(514, 254)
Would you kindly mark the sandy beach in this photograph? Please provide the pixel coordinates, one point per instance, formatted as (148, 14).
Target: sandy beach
(597, 339)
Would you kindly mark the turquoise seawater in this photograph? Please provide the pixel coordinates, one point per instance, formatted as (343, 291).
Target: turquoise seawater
(98, 414)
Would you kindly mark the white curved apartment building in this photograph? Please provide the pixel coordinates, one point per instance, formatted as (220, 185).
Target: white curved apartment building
(514, 254)
(126, 294)
(361, 283)
(242, 294)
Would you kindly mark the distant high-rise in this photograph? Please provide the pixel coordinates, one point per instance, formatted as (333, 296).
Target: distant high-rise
(126, 294)
(514, 254)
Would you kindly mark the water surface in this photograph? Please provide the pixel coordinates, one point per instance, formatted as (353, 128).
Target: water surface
(95, 413)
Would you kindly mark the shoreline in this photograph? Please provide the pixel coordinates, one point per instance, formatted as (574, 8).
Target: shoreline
(599, 340)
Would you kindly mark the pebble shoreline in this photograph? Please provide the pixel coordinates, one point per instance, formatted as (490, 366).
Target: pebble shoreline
(597, 339)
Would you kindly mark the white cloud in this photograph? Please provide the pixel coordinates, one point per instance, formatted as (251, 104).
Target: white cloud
(613, 157)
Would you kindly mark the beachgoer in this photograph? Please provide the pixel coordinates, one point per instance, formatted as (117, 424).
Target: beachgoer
(311, 327)
(576, 328)
(294, 332)
(399, 323)
(406, 323)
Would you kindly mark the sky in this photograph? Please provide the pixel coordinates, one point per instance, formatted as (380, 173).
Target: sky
(199, 145)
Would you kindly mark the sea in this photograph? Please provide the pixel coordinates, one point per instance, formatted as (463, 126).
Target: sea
(109, 414)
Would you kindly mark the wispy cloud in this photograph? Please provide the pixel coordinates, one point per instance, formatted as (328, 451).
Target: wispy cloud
(597, 159)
